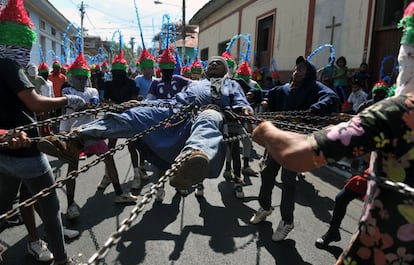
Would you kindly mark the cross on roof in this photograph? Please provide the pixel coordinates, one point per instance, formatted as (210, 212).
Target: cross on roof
(332, 27)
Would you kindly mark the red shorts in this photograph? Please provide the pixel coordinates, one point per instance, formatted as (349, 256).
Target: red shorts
(97, 148)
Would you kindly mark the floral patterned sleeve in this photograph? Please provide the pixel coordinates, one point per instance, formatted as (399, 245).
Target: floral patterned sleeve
(386, 126)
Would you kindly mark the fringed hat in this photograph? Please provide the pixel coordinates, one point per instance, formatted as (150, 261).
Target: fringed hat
(229, 59)
(158, 72)
(167, 60)
(275, 76)
(56, 63)
(186, 71)
(43, 68)
(16, 27)
(380, 85)
(244, 72)
(196, 67)
(119, 62)
(145, 60)
(104, 65)
(407, 23)
(79, 67)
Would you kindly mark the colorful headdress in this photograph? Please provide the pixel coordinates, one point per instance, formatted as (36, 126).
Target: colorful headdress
(56, 63)
(79, 67)
(16, 27)
(167, 60)
(43, 68)
(104, 65)
(119, 62)
(380, 85)
(407, 23)
(229, 59)
(244, 71)
(196, 67)
(186, 71)
(145, 60)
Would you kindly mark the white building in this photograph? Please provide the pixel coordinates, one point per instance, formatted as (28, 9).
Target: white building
(52, 29)
(363, 30)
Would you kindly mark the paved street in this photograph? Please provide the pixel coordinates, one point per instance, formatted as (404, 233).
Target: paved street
(211, 230)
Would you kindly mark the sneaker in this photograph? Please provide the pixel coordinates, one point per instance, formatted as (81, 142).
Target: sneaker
(136, 183)
(82, 156)
(199, 190)
(330, 236)
(126, 198)
(104, 182)
(70, 234)
(192, 171)
(38, 249)
(68, 151)
(260, 215)
(238, 190)
(73, 211)
(159, 197)
(143, 173)
(228, 175)
(249, 171)
(282, 231)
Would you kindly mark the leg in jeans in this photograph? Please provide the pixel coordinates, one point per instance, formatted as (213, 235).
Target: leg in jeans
(125, 125)
(206, 133)
(287, 204)
(268, 176)
(342, 200)
(50, 214)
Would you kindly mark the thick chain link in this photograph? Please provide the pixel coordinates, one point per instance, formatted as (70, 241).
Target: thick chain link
(74, 174)
(297, 121)
(113, 239)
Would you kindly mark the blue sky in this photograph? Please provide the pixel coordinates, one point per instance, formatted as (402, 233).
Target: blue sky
(109, 17)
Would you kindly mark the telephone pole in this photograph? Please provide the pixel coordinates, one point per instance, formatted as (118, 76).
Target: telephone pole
(132, 43)
(82, 11)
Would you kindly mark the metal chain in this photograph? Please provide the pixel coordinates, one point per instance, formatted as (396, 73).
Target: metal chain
(114, 238)
(74, 174)
(92, 110)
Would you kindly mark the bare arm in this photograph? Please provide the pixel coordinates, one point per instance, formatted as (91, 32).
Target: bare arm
(37, 103)
(291, 150)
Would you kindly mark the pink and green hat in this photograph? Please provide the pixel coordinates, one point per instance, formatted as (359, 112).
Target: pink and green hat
(381, 84)
(145, 60)
(166, 60)
(119, 62)
(196, 67)
(186, 71)
(43, 68)
(79, 67)
(229, 59)
(244, 71)
(56, 63)
(16, 28)
(104, 65)
(407, 23)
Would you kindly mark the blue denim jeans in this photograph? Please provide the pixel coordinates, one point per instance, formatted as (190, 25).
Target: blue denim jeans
(204, 133)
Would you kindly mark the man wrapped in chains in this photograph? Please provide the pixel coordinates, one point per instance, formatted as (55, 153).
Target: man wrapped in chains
(200, 135)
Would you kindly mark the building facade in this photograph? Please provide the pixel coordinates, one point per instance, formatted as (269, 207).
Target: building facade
(56, 35)
(359, 30)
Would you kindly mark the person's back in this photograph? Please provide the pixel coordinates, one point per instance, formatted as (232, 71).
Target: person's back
(121, 88)
(167, 86)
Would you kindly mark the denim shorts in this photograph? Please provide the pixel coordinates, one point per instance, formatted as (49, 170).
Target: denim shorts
(24, 167)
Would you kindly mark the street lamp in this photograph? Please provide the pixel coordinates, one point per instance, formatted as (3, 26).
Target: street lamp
(183, 26)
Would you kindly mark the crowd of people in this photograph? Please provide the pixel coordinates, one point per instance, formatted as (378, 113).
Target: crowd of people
(377, 127)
